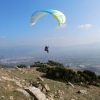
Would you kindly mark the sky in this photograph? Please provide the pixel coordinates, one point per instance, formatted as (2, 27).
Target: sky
(82, 22)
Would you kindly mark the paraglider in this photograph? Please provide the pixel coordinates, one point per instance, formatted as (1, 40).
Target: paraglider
(60, 17)
(46, 49)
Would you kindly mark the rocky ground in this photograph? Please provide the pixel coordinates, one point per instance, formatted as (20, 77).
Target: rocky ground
(27, 84)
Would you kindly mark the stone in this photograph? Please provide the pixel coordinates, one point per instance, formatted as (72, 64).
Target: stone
(25, 93)
(28, 66)
(75, 97)
(36, 93)
(11, 98)
(3, 97)
(18, 84)
(6, 78)
(50, 98)
(50, 95)
(40, 78)
(82, 91)
(17, 68)
(60, 98)
(69, 83)
(46, 87)
(40, 86)
(59, 94)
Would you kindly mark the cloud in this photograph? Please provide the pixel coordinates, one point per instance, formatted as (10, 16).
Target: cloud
(61, 26)
(85, 26)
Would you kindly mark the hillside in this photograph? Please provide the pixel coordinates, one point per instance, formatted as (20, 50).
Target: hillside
(12, 79)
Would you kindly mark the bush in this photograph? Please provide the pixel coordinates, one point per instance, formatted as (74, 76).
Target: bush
(43, 69)
(57, 71)
(99, 77)
(91, 75)
(21, 66)
(53, 63)
(62, 74)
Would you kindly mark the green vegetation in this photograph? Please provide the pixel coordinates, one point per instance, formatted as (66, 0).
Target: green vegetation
(60, 73)
(21, 66)
(57, 71)
(53, 63)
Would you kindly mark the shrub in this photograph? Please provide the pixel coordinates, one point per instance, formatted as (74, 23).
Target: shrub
(99, 77)
(21, 66)
(91, 75)
(62, 74)
(53, 63)
(43, 69)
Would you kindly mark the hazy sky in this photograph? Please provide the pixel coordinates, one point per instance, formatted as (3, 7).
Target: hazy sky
(82, 25)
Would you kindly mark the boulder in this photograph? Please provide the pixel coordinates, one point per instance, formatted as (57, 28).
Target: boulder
(26, 94)
(82, 91)
(40, 78)
(36, 93)
(46, 87)
(69, 83)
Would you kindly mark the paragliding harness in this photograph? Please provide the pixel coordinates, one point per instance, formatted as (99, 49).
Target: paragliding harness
(46, 49)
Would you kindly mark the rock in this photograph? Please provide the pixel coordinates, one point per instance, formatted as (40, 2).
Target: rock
(40, 86)
(69, 83)
(11, 98)
(26, 94)
(9, 71)
(36, 93)
(9, 86)
(46, 87)
(82, 91)
(50, 98)
(17, 68)
(6, 78)
(59, 94)
(50, 95)
(18, 84)
(3, 97)
(16, 78)
(34, 83)
(40, 78)
(9, 79)
(75, 97)
(60, 98)
(28, 66)
(81, 83)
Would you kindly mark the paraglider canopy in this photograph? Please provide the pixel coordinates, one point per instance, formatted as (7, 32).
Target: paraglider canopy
(60, 17)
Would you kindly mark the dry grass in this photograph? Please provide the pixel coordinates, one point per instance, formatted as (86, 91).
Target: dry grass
(25, 75)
